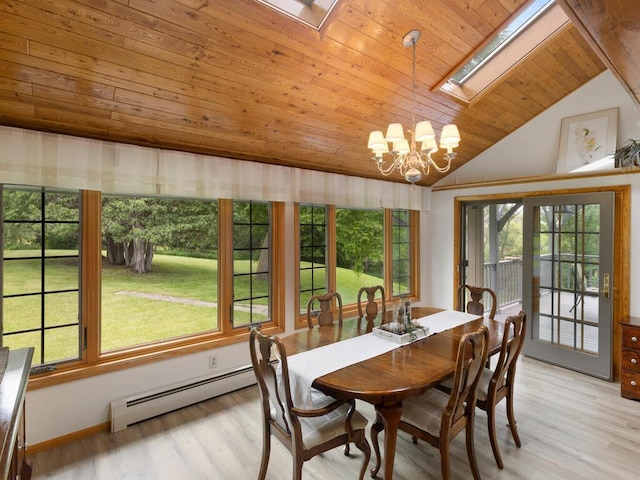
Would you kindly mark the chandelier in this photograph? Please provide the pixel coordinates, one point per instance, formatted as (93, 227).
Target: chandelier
(411, 162)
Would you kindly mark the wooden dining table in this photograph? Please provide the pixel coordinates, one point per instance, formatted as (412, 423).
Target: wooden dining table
(387, 379)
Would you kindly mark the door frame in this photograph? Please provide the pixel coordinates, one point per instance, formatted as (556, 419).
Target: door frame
(621, 248)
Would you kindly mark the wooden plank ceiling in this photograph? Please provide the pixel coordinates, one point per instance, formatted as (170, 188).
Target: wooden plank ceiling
(234, 78)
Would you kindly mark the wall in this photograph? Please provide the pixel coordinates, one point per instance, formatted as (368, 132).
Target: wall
(43, 159)
(529, 151)
(37, 158)
(533, 148)
(439, 271)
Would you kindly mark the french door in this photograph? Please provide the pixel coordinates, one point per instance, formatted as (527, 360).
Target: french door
(567, 280)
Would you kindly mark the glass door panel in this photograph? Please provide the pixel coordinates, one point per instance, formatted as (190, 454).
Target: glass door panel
(567, 266)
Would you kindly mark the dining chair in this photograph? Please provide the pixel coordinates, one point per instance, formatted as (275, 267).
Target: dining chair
(475, 305)
(325, 316)
(305, 433)
(371, 308)
(437, 417)
(497, 383)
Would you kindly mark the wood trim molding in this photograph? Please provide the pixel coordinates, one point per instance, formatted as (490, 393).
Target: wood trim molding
(278, 264)
(414, 215)
(538, 179)
(91, 272)
(68, 438)
(621, 248)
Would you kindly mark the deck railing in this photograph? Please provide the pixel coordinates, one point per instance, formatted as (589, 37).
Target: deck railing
(508, 276)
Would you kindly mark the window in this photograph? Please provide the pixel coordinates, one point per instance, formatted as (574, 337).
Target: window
(313, 253)
(159, 265)
(401, 252)
(519, 38)
(97, 282)
(158, 275)
(313, 13)
(343, 249)
(40, 273)
(359, 251)
(251, 263)
(519, 23)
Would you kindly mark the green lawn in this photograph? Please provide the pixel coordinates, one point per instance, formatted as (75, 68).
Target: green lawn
(178, 297)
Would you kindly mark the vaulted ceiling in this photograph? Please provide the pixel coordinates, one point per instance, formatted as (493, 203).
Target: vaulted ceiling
(234, 78)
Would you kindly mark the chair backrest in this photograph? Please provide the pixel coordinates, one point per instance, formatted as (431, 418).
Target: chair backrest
(325, 317)
(472, 355)
(275, 393)
(371, 309)
(515, 327)
(475, 305)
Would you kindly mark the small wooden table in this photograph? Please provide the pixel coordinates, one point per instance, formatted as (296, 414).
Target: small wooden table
(386, 380)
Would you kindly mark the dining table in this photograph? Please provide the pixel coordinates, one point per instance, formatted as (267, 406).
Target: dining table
(384, 380)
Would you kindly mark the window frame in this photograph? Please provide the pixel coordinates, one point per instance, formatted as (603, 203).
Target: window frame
(251, 249)
(551, 21)
(43, 292)
(351, 310)
(95, 363)
(300, 315)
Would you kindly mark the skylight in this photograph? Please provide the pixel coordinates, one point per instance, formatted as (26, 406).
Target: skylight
(310, 12)
(518, 24)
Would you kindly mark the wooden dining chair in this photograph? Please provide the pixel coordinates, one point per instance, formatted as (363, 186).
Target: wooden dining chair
(437, 417)
(325, 316)
(305, 433)
(498, 383)
(371, 308)
(475, 305)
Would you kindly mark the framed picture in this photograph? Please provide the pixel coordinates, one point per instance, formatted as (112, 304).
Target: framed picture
(587, 139)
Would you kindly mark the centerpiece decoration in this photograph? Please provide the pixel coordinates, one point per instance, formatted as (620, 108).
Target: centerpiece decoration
(403, 329)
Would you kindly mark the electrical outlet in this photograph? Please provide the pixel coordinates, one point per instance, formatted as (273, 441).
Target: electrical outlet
(213, 362)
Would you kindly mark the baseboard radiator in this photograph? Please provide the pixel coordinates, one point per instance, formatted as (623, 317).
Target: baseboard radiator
(130, 410)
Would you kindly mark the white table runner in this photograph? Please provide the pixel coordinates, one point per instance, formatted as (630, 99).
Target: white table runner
(305, 367)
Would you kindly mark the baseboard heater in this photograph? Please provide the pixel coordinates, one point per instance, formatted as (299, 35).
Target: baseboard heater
(129, 410)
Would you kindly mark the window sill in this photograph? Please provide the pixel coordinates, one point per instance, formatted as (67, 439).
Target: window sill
(114, 362)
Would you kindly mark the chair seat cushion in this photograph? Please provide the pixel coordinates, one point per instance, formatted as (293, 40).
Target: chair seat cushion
(483, 384)
(425, 411)
(317, 430)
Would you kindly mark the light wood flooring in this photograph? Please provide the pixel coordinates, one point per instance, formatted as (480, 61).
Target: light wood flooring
(573, 427)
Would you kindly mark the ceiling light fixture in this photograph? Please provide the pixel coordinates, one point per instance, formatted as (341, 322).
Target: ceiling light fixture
(411, 162)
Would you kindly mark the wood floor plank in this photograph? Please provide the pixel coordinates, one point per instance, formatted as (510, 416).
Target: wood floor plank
(572, 427)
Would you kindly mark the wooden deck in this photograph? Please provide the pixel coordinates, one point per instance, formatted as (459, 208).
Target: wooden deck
(587, 309)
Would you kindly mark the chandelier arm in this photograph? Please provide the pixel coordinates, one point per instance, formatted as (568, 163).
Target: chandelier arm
(438, 168)
(397, 163)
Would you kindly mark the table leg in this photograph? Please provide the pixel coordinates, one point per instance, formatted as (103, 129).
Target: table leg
(390, 416)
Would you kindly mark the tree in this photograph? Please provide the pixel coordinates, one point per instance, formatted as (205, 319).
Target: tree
(251, 234)
(361, 246)
(133, 227)
(60, 210)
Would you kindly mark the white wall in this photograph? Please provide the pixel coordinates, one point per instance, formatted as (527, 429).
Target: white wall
(531, 150)
(439, 274)
(71, 407)
(37, 158)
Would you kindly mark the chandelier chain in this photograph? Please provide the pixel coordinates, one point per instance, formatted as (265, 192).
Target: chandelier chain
(413, 85)
(412, 157)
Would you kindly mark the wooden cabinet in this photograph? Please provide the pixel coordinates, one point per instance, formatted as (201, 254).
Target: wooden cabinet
(14, 371)
(630, 363)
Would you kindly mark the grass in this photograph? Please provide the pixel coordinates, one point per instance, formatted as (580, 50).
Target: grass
(178, 297)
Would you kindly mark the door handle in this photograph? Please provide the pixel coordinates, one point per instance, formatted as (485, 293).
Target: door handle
(605, 285)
